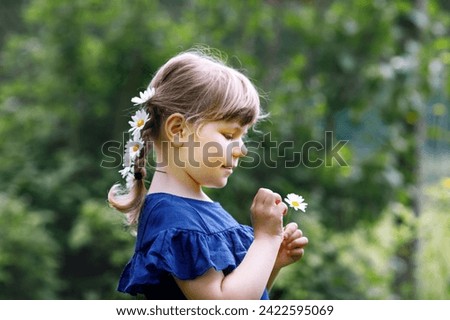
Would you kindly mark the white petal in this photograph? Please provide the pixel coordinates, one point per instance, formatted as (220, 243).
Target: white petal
(129, 180)
(144, 96)
(137, 134)
(136, 101)
(124, 172)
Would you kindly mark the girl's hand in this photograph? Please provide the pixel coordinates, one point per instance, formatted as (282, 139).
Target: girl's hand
(292, 247)
(267, 214)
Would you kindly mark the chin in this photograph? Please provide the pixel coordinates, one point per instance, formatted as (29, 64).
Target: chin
(216, 184)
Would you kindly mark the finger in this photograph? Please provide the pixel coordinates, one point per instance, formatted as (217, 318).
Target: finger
(283, 208)
(278, 198)
(296, 234)
(260, 198)
(260, 194)
(274, 198)
(289, 230)
(298, 243)
(296, 254)
(267, 197)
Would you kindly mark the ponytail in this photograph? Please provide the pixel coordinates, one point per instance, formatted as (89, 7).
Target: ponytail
(131, 199)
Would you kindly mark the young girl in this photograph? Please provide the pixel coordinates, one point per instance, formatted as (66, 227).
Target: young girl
(195, 113)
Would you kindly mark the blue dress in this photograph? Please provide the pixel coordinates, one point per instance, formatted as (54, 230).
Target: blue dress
(183, 238)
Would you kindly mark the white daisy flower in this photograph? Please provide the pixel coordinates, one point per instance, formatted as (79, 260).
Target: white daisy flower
(124, 172)
(133, 148)
(139, 120)
(143, 96)
(295, 201)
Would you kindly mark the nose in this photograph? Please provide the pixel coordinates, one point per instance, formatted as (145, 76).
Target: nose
(239, 150)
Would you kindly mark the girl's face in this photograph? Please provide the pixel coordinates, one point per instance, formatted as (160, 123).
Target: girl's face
(212, 152)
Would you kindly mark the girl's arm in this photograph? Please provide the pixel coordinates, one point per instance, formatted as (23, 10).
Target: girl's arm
(247, 281)
(250, 278)
(273, 276)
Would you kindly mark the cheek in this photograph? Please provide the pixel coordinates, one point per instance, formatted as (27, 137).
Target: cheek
(212, 154)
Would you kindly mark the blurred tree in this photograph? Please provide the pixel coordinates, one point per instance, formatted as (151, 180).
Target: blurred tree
(433, 258)
(95, 232)
(9, 22)
(28, 253)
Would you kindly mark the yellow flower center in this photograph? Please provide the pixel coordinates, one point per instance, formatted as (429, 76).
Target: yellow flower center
(136, 148)
(295, 203)
(140, 123)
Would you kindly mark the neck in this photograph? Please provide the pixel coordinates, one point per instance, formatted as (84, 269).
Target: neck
(170, 178)
(164, 180)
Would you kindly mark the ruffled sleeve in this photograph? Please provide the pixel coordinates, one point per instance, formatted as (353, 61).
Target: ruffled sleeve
(185, 254)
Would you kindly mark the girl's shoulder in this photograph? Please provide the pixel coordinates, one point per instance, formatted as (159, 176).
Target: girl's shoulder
(162, 211)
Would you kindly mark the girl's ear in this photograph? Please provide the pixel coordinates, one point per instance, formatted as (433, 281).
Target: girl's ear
(175, 126)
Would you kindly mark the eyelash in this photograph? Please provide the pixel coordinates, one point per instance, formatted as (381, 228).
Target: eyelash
(228, 136)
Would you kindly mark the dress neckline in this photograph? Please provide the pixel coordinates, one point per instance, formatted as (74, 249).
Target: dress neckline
(154, 194)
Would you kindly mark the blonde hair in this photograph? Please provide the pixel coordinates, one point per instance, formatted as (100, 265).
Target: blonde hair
(200, 87)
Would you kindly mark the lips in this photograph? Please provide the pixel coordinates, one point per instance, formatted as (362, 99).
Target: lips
(232, 166)
(228, 168)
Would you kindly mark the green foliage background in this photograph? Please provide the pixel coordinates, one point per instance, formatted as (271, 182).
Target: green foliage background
(374, 73)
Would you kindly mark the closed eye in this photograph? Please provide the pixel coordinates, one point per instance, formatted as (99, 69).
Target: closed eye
(228, 136)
